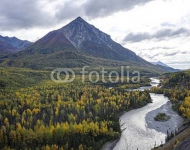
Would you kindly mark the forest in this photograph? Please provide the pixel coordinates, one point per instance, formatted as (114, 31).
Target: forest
(37, 113)
(176, 86)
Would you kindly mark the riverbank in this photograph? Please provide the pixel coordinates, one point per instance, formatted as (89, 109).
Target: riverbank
(139, 126)
(172, 124)
(111, 144)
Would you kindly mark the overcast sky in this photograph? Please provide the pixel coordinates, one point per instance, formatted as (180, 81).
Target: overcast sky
(157, 30)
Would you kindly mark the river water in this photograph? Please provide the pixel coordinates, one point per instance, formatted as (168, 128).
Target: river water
(139, 130)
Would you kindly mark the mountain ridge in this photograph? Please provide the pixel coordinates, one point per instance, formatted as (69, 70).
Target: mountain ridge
(76, 44)
(12, 44)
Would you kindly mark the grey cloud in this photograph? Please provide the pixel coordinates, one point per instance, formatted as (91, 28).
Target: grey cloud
(19, 14)
(170, 54)
(16, 14)
(148, 55)
(101, 8)
(159, 35)
(159, 47)
(137, 37)
(165, 54)
(171, 33)
(96, 8)
(167, 24)
(70, 9)
(185, 52)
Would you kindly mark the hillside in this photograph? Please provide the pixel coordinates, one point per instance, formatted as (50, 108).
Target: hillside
(179, 80)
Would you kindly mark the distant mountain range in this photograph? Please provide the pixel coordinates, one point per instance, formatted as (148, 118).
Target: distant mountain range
(12, 44)
(164, 66)
(160, 63)
(75, 45)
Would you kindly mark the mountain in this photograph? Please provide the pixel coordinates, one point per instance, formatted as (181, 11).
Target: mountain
(75, 45)
(85, 39)
(165, 67)
(12, 44)
(91, 41)
(159, 63)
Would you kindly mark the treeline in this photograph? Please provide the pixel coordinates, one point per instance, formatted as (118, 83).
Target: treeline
(63, 116)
